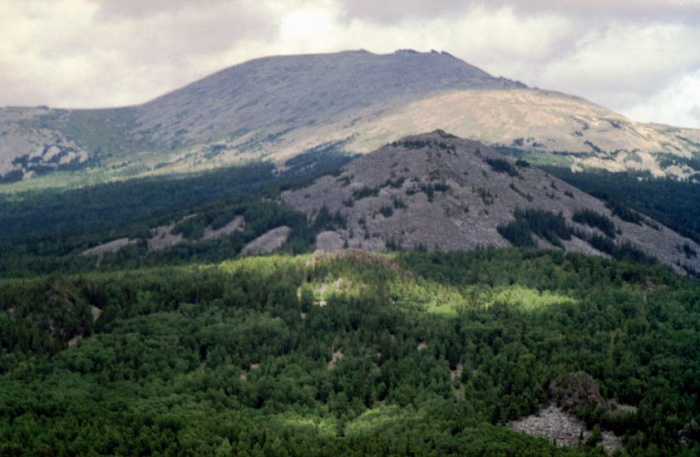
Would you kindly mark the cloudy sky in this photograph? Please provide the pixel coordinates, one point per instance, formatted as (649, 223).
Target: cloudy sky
(638, 57)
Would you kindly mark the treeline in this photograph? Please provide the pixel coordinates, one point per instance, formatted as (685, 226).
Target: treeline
(46, 231)
(675, 203)
(43, 216)
(416, 354)
(554, 229)
(259, 215)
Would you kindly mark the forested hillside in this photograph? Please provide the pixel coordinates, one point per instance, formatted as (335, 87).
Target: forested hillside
(59, 213)
(350, 354)
(675, 203)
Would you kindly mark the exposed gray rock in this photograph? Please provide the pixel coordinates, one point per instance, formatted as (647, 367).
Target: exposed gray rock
(267, 242)
(236, 225)
(329, 241)
(563, 429)
(436, 191)
(555, 425)
(111, 246)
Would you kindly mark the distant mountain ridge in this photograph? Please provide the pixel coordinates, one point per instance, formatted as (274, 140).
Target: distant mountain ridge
(275, 108)
(293, 91)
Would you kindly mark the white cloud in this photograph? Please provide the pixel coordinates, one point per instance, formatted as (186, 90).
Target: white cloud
(639, 57)
(83, 54)
(392, 11)
(307, 28)
(677, 104)
(506, 44)
(620, 64)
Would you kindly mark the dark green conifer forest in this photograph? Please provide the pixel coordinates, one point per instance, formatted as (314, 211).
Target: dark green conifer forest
(355, 354)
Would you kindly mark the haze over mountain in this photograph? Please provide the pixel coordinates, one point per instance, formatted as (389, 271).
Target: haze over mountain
(278, 107)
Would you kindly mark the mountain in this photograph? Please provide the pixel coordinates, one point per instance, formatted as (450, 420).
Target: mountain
(436, 191)
(140, 310)
(276, 108)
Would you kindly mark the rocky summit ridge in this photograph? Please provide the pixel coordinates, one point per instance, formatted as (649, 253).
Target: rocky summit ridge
(437, 191)
(276, 108)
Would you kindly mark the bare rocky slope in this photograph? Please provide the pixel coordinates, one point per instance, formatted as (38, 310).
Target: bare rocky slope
(438, 191)
(275, 108)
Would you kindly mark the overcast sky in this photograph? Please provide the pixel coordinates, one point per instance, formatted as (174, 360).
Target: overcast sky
(638, 57)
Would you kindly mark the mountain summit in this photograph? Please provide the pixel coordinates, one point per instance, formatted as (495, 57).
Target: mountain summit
(295, 91)
(276, 108)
